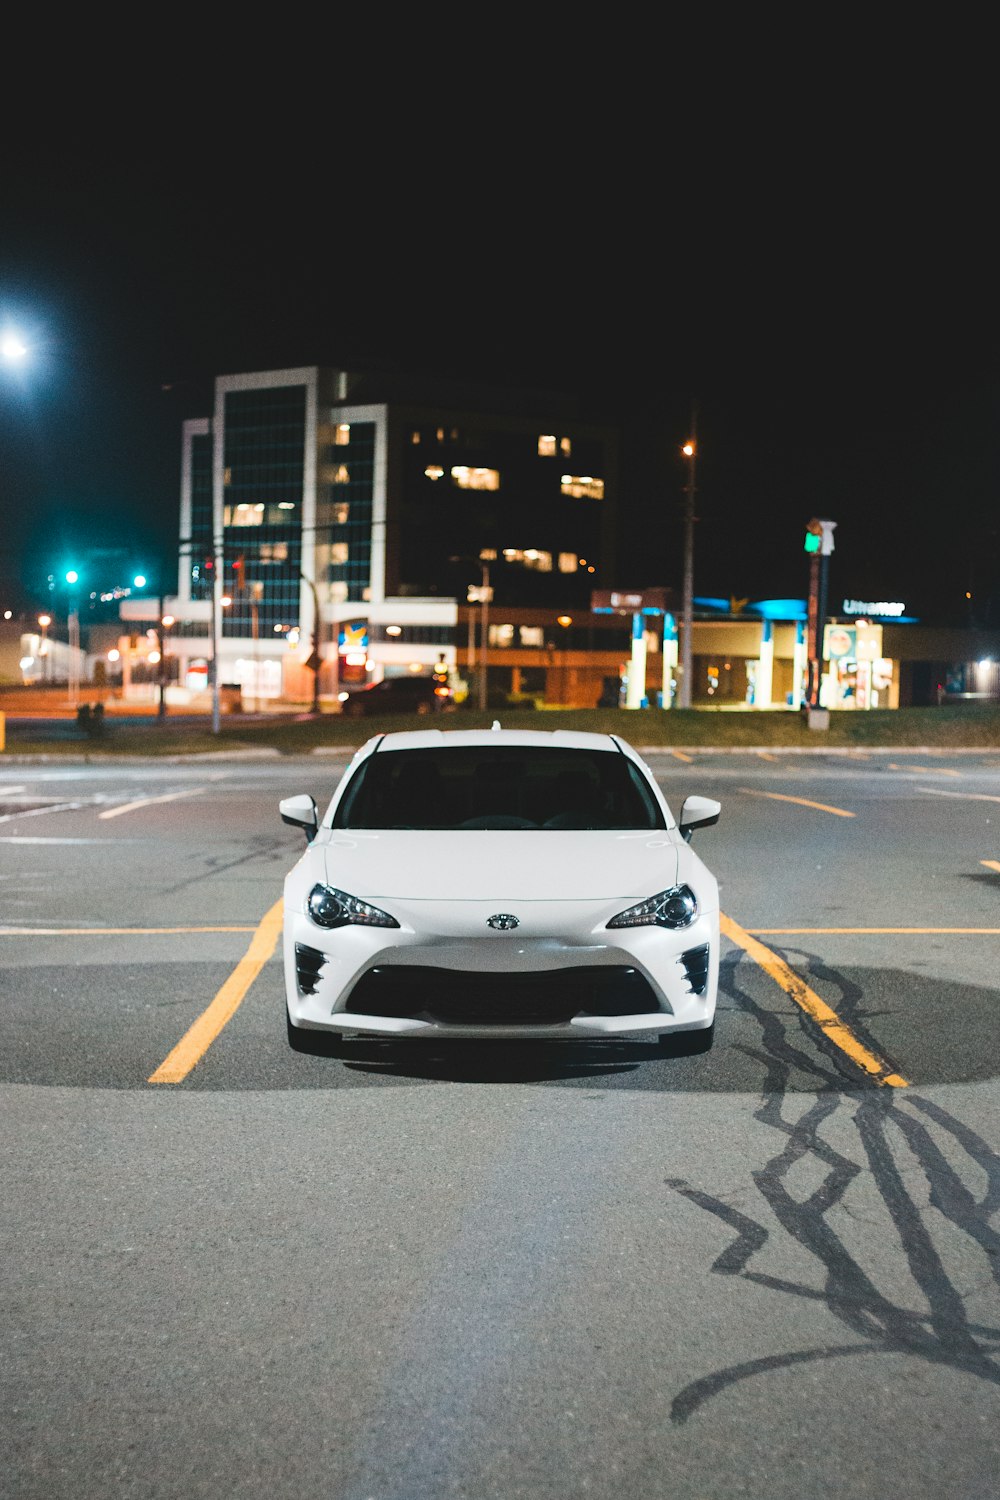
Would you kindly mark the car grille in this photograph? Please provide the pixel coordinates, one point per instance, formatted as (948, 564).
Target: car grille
(695, 962)
(457, 997)
(308, 962)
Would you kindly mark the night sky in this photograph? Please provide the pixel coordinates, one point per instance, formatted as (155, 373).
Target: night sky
(832, 311)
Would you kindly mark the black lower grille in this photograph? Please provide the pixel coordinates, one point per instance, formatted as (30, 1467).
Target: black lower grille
(308, 962)
(469, 998)
(695, 962)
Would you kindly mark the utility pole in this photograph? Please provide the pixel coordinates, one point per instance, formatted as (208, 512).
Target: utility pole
(484, 607)
(690, 451)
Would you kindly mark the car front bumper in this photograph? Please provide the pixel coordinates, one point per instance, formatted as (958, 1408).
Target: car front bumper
(341, 962)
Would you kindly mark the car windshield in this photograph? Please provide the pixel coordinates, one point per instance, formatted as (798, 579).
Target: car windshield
(499, 787)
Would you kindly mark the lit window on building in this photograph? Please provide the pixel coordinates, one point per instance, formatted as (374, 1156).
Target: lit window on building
(568, 562)
(227, 476)
(272, 552)
(475, 479)
(547, 445)
(434, 471)
(341, 475)
(394, 630)
(338, 552)
(529, 557)
(565, 447)
(440, 434)
(501, 635)
(414, 438)
(286, 504)
(582, 487)
(487, 554)
(531, 635)
(338, 592)
(243, 514)
(341, 511)
(342, 434)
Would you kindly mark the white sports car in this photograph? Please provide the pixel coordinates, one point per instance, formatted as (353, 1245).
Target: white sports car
(498, 884)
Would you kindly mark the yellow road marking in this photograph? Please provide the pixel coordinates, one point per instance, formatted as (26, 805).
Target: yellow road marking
(833, 1027)
(925, 770)
(991, 864)
(838, 812)
(116, 812)
(110, 931)
(910, 931)
(198, 1038)
(679, 755)
(765, 756)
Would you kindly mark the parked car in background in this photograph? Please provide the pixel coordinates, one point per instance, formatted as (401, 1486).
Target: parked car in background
(397, 695)
(486, 884)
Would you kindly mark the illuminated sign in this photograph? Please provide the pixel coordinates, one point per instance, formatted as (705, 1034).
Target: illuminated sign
(353, 637)
(624, 602)
(882, 607)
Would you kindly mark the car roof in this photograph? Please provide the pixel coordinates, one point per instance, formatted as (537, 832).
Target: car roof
(425, 739)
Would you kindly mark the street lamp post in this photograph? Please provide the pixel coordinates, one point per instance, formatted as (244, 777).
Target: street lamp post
(73, 637)
(484, 615)
(690, 451)
(43, 650)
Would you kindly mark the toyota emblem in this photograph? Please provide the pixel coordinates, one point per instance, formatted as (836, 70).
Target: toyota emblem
(503, 921)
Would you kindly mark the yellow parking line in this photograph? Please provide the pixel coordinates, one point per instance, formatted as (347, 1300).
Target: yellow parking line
(833, 1027)
(838, 812)
(991, 864)
(679, 755)
(198, 1038)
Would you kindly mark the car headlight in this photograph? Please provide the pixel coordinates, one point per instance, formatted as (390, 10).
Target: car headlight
(329, 907)
(677, 907)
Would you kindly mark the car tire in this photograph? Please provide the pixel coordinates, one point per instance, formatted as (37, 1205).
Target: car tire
(686, 1043)
(313, 1043)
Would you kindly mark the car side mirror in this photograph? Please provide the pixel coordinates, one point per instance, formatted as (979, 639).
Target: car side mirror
(698, 812)
(301, 813)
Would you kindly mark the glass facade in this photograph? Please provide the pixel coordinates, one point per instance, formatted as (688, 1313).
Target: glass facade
(344, 510)
(264, 471)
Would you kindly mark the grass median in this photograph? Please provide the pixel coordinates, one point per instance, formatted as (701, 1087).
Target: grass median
(948, 727)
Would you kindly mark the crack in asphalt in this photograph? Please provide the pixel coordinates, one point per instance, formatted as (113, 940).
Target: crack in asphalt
(943, 1335)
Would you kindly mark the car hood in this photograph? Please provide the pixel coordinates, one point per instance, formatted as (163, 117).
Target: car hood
(500, 865)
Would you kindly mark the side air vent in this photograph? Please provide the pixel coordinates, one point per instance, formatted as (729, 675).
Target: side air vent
(308, 962)
(695, 962)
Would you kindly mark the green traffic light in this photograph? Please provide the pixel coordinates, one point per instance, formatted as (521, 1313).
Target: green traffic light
(72, 576)
(139, 580)
(812, 541)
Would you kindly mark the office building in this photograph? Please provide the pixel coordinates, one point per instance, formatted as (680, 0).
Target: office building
(351, 522)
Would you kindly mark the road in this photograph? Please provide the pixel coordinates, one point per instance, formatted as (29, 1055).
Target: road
(771, 1271)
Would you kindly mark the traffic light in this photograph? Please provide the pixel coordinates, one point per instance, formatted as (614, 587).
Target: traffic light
(441, 687)
(819, 536)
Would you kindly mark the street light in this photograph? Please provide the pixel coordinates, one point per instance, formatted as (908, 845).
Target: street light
(690, 451)
(12, 349)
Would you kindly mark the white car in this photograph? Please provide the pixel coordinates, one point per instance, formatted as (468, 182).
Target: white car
(485, 884)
